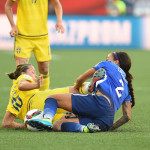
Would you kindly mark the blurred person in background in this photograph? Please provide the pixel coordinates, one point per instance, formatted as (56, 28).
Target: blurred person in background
(31, 33)
(116, 7)
(141, 8)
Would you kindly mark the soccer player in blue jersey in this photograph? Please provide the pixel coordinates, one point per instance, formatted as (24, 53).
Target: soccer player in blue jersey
(95, 111)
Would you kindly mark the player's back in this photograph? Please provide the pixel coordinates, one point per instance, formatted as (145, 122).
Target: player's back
(114, 84)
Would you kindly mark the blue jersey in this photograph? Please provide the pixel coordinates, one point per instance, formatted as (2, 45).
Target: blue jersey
(114, 84)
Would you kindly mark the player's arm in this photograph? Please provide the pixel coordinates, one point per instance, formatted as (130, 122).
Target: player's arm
(59, 14)
(126, 110)
(25, 85)
(85, 76)
(9, 13)
(8, 121)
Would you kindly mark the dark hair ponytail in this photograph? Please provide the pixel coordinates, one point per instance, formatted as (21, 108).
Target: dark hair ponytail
(20, 68)
(129, 78)
(11, 75)
(125, 64)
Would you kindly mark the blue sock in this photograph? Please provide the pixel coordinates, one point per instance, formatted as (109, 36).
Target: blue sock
(71, 127)
(50, 108)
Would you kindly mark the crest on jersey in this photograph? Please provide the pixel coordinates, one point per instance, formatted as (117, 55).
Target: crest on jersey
(33, 1)
(18, 50)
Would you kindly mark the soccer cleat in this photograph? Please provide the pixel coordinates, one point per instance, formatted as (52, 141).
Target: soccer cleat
(99, 74)
(44, 124)
(93, 128)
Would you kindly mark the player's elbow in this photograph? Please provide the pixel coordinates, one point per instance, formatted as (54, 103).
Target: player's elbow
(22, 87)
(127, 118)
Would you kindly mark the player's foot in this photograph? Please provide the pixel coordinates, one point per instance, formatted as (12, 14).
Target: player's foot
(99, 74)
(44, 124)
(93, 128)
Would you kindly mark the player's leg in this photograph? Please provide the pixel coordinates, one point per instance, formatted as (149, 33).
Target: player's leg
(65, 119)
(44, 70)
(71, 123)
(20, 60)
(57, 101)
(66, 125)
(23, 48)
(42, 54)
(50, 108)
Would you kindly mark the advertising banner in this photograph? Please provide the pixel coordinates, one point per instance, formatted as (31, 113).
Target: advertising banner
(91, 32)
(98, 32)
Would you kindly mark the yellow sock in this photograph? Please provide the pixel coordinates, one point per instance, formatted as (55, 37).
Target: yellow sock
(46, 82)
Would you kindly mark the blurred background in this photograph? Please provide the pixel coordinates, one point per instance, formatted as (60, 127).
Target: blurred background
(98, 24)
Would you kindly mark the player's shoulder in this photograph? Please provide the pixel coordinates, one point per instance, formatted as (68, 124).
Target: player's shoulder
(24, 77)
(109, 63)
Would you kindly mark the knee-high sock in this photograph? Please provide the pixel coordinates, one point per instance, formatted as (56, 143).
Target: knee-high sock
(46, 82)
(50, 108)
(72, 127)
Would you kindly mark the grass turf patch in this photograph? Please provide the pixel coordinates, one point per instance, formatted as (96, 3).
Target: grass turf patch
(65, 67)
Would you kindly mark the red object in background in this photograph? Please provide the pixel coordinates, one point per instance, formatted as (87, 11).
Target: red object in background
(2, 7)
(74, 7)
(84, 7)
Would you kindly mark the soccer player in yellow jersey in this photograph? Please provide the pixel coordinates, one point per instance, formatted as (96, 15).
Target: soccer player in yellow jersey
(25, 95)
(31, 32)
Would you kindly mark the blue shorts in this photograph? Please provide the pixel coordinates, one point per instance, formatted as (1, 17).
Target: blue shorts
(93, 108)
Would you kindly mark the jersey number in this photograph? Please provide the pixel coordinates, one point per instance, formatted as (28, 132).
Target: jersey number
(17, 103)
(120, 88)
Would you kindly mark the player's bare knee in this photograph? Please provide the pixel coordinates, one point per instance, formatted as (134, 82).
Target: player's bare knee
(43, 67)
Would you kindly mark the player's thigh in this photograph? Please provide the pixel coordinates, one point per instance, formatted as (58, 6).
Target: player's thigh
(63, 100)
(20, 60)
(23, 47)
(42, 51)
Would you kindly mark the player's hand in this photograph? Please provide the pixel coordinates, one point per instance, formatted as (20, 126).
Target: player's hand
(14, 31)
(40, 81)
(59, 27)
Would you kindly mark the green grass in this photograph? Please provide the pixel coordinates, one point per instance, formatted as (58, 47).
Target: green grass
(65, 67)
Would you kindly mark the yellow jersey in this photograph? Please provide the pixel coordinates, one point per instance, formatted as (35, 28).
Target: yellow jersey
(21, 102)
(32, 18)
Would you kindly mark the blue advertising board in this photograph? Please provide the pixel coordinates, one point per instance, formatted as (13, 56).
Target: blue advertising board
(97, 32)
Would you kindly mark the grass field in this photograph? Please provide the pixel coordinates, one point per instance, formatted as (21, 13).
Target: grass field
(65, 67)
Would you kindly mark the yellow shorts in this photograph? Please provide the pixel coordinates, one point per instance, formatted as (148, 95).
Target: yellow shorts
(39, 46)
(38, 101)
